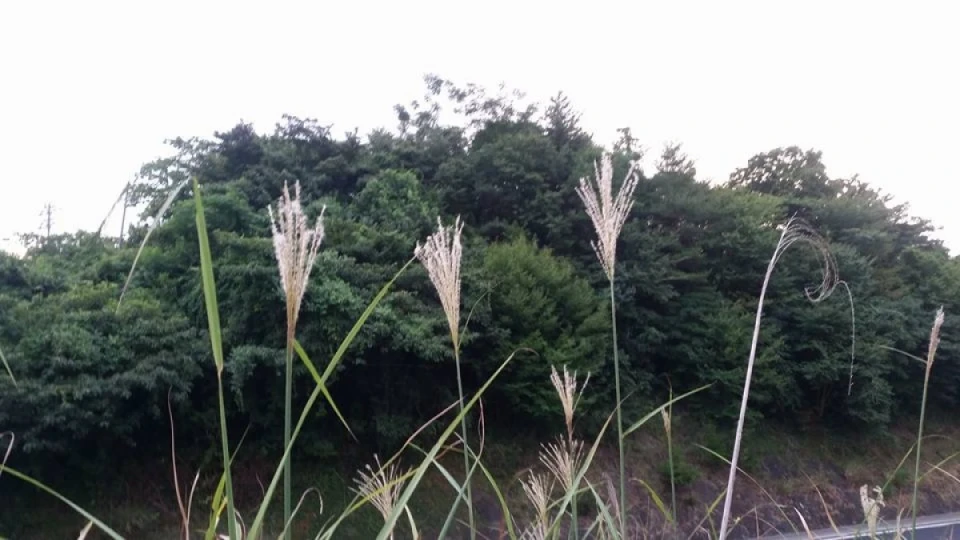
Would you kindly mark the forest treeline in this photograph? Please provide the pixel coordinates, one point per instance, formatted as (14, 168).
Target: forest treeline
(93, 379)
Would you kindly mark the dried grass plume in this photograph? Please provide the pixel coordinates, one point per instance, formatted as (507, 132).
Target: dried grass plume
(608, 213)
(295, 245)
(566, 387)
(440, 255)
(381, 486)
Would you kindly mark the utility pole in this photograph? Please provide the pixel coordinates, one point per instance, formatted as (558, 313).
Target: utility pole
(47, 214)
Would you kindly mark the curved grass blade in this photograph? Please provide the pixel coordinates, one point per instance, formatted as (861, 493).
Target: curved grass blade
(126, 187)
(657, 501)
(656, 411)
(85, 531)
(706, 516)
(43, 487)
(758, 484)
(604, 511)
(257, 526)
(421, 470)
(323, 387)
(153, 226)
(7, 367)
(216, 344)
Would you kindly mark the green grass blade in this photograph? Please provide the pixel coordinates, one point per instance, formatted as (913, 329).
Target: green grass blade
(335, 361)
(507, 516)
(766, 493)
(401, 503)
(460, 489)
(656, 500)
(153, 226)
(39, 485)
(323, 387)
(710, 509)
(257, 525)
(216, 344)
(656, 411)
(7, 367)
(217, 504)
(603, 511)
(209, 285)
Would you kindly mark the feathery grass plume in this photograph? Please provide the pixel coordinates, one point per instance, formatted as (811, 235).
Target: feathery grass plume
(563, 459)
(381, 486)
(6, 365)
(608, 215)
(794, 230)
(871, 508)
(931, 355)
(440, 255)
(537, 488)
(566, 388)
(295, 245)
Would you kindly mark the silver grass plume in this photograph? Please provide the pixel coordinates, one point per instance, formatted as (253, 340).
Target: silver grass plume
(295, 245)
(537, 488)
(440, 255)
(563, 459)
(566, 387)
(608, 213)
(381, 486)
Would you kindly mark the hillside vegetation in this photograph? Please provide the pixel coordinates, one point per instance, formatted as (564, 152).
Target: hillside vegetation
(94, 376)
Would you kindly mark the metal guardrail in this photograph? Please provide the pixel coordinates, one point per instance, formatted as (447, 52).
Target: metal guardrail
(938, 527)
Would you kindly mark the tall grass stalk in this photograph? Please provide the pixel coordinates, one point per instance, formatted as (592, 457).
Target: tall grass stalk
(931, 355)
(431, 456)
(440, 255)
(295, 245)
(216, 344)
(564, 459)
(795, 230)
(667, 414)
(608, 215)
(257, 526)
(6, 366)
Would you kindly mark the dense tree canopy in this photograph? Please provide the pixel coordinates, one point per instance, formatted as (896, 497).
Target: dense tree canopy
(691, 261)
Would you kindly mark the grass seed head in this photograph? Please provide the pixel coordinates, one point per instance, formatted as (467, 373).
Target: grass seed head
(440, 255)
(382, 486)
(566, 387)
(295, 245)
(563, 459)
(537, 488)
(608, 213)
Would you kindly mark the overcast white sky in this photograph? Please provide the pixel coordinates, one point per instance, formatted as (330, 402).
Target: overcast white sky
(89, 90)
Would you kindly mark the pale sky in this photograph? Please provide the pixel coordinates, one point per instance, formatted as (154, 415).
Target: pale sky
(90, 90)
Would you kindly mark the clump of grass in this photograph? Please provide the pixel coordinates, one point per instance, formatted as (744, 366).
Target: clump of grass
(382, 487)
(440, 256)
(608, 214)
(564, 457)
(538, 489)
(295, 245)
(871, 507)
(931, 355)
